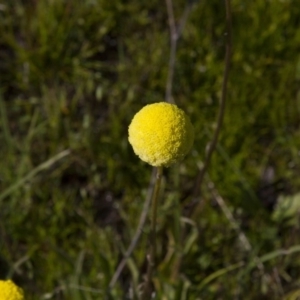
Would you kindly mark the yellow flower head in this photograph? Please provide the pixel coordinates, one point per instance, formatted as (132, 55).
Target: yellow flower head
(10, 291)
(161, 134)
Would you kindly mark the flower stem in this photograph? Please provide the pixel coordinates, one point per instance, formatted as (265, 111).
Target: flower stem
(147, 291)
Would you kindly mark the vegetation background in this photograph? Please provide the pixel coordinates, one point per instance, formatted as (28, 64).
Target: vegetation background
(72, 75)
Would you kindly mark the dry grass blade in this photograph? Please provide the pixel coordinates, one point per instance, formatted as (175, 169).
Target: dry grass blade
(43, 166)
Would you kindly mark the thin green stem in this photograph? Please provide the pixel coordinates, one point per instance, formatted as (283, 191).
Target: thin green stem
(147, 291)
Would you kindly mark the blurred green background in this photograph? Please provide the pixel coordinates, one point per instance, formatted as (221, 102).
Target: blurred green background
(73, 74)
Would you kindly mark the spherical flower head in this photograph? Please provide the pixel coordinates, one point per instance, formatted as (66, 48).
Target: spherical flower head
(10, 291)
(161, 134)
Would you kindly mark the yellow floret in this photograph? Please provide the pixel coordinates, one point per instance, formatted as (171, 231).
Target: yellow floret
(10, 291)
(161, 134)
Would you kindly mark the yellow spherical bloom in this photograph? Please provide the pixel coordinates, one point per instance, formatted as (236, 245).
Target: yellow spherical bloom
(10, 291)
(161, 134)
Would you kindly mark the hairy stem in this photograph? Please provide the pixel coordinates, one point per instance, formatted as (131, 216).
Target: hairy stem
(147, 291)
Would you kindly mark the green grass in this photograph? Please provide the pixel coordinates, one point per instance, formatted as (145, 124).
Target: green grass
(72, 75)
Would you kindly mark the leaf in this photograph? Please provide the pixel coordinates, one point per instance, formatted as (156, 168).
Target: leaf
(287, 209)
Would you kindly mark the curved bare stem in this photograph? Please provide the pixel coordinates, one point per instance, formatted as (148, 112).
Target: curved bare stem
(175, 34)
(220, 117)
(137, 234)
